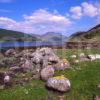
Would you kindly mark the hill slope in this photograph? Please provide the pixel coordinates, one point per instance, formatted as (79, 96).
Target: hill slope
(91, 35)
(9, 35)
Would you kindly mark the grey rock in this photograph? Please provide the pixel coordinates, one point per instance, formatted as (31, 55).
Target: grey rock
(27, 65)
(62, 65)
(47, 73)
(10, 52)
(96, 98)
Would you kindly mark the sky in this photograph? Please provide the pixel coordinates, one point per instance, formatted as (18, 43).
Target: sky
(42, 16)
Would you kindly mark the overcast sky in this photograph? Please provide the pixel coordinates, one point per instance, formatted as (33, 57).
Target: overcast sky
(41, 16)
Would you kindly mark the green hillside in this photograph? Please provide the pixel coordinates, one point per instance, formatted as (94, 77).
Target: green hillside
(91, 35)
(9, 35)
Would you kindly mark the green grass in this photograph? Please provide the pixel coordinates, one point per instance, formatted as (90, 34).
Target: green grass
(83, 82)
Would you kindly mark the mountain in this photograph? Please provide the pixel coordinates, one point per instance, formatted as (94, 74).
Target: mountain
(91, 35)
(9, 35)
(53, 37)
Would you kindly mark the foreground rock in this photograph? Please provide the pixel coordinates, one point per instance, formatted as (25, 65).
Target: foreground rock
(59, 83)
(47, 73)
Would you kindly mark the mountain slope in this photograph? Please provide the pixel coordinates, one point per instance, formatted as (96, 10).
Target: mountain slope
(9, 35)
(91, 35)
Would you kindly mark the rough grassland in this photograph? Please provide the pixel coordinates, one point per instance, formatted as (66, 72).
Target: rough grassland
(84, 77)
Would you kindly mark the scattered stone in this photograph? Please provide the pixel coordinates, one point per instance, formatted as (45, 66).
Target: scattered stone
(98, 86)
(59, 83)
(97, 56)
(96, 98)
(82, 55)
(7, 81)
(62, 65)
(91, 57)
(1, 87)
(73, 56)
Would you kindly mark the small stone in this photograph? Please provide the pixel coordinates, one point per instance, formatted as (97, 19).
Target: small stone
(98, 86)
(2, 87)
(96, 98)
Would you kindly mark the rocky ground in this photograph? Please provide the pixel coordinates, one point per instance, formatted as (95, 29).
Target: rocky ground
(41, 64)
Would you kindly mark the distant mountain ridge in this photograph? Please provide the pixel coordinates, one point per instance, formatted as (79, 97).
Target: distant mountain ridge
(51, 37)
(92, 35)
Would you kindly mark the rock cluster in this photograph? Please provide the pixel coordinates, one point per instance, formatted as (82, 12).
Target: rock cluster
(42, 63)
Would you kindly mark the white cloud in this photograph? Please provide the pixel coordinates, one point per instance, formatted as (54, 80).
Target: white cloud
(76, 12)
(85, 9)
(7, 22)
(40, 21)
(5, 1)
(89, 9)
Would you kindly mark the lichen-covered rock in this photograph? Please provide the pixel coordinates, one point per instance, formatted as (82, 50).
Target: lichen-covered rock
(59, 83)
(47, 73)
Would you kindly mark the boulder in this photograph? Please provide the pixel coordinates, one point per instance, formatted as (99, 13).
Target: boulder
(91, 57)
(44, 57)
(10, 52)
(28, 65)
(59, 83)
(47, 73)
(62, 65)
(37, 58)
